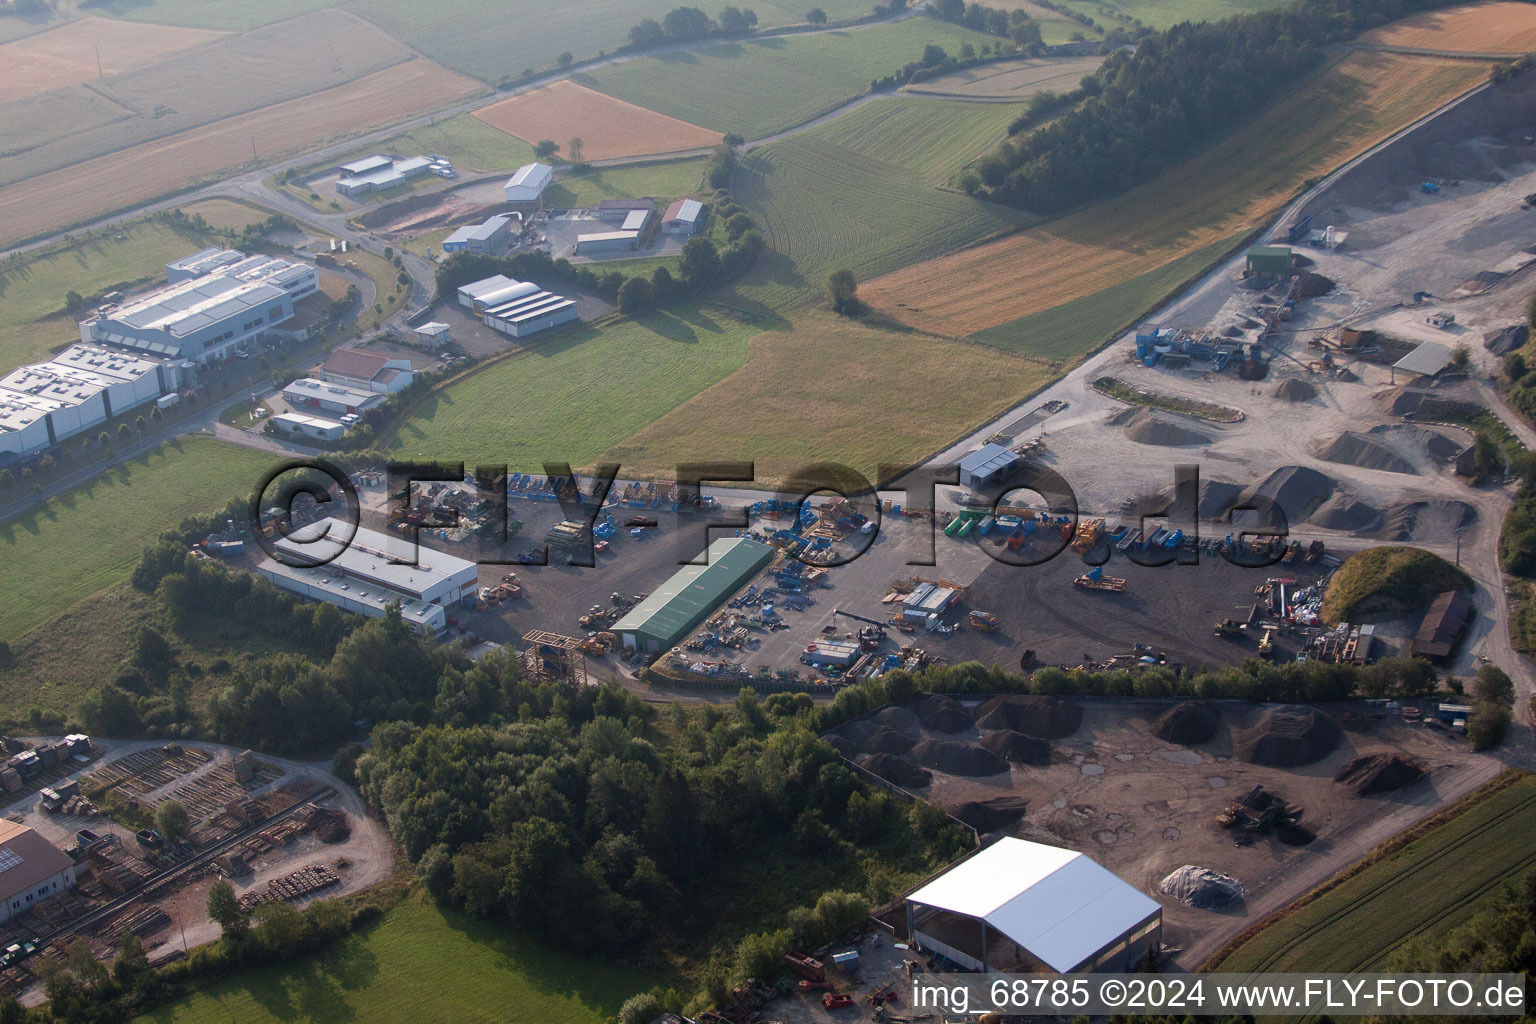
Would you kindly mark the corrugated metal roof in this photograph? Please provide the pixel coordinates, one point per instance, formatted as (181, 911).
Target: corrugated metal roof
(1060, 905)
(685, 210)
(987, 459)
(696, 590)
(1428, 359)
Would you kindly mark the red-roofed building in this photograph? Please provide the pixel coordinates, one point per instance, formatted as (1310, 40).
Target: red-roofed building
(31, 870)
(367, 371)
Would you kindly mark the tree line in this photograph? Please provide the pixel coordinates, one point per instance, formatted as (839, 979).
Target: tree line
(1147, 110)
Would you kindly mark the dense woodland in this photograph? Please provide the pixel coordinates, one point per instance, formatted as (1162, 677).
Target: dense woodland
(1145, 111)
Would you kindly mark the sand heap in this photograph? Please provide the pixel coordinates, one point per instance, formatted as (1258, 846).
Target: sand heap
(1428, 521)
(993, 814)
(1346, 375)
(1312, 285)
(870, 737)
(1341, 512)
(1144, 426)
(1298, 490)
(1187, 723)
(1355, 449)
(1044, 718)
(1408, 401)
(1214, 499)
(1380, 773)
(1288, 736)
(900, 719)
(1293, 389)
(958, 758)
(1203, 888)
(941, 714)
(1018, 748)
(1506, 340)
(898, 770)
(1439, 447)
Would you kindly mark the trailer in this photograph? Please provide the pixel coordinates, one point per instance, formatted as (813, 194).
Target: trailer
(807, 967)
(1094, 579)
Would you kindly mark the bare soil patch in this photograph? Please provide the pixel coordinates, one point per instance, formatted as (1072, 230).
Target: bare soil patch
(1476, 28)
(607, 127)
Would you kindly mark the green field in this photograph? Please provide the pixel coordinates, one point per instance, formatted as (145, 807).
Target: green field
(930, 137)
(91, 537)
(579, 393)
(418, 964)
(496, 39)
(32, 319)
(1163, 13)
(761, 86)
(825, 207)
(468, 142)
(1432, 884)
(674, 179)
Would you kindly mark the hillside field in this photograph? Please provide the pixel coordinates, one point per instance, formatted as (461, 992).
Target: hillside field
(468, 142)
(859, 193)
(121, 511)
(1218, 194)
(607, 127)
(1431, 885)
(575, 395)
(68, 55)
(1010, 79)
(1503, 27)
(830, 389)
(418, 964)
(756, 87)
(102, 186)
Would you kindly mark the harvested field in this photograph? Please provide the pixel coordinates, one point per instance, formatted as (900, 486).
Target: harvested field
(1010, 79)
(99, 187)
(990, 815)
(1288, 736)
(68, 55)
(1380, 773)
(898, 770)
(1351, 448)
(960, 759)
(1202, 888)
(1217, 195)
(1144, 426)
(1045, 718)
(1188, 724)
(1477, 28)
(942, 714)
(608, 127)
(1018, 748)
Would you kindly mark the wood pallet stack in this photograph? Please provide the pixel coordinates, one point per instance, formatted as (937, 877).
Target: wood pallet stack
(141, 921)
(292, 886)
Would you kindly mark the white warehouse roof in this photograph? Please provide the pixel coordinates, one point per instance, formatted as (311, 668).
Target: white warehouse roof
(1060, 905)
(1428, 359)
(988, 459)
(532, 177)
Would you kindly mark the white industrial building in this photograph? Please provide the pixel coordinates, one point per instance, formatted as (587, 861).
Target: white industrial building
(316, 427)
(490, 237)
(617, 211)
(528, 183)
(31, 870)
(80, 388)
(322, 395)
(364, 576)
(1021, 907)
(518, 308)
(211, 302)
(683, 217)
(377, 173)
(927, 602)
(434, 335)
(990, 464)
(606, 241)
(367, 371)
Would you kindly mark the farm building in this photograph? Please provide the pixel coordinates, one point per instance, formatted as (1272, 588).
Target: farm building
(31, 870)
(490, 237)
(683, 217)
(364, 576)
(606, 241)
(212, 302)
(382, 176)
(309, 393)
(617, 211)
(1443, 623)
(79, 388)
(528, 183)
(1426, 360)
(673, 609)
(367, 371)
(434, 335)
(1022, 907)
(316, 427)
(366, 165)
(1269, 260)
(988, 465)
(518, 308)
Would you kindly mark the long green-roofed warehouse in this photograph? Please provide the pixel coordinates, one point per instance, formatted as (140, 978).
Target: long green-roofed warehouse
(675, 608)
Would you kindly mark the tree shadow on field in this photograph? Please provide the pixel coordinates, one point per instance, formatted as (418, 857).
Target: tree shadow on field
(674, 328)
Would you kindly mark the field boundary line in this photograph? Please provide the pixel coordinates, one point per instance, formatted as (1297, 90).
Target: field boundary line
(1384, 850)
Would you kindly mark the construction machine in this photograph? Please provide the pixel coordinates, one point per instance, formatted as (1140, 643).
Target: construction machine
(1094, 579)
(1258, 812)
(1267, 643)
(983, 622)
(1229, 628)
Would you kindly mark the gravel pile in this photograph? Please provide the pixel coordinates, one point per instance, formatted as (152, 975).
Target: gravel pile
(900, 719)
(1380, 773)
(991, 815)
(1018, 748)
(1341, 512)
(1188, 723)
(1298, 490)
(1293, 389)
(958, 759)
(1428, 521)
(1147, 427)
(1044, 718)
(870, 737)
(899, 770)
(1202, 888)
(1352, 448)
(1312, 285)
(941, 714)
(1287, 737)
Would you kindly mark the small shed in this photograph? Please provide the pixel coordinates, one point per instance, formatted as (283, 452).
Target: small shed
(434, 334)
(1268, 260)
